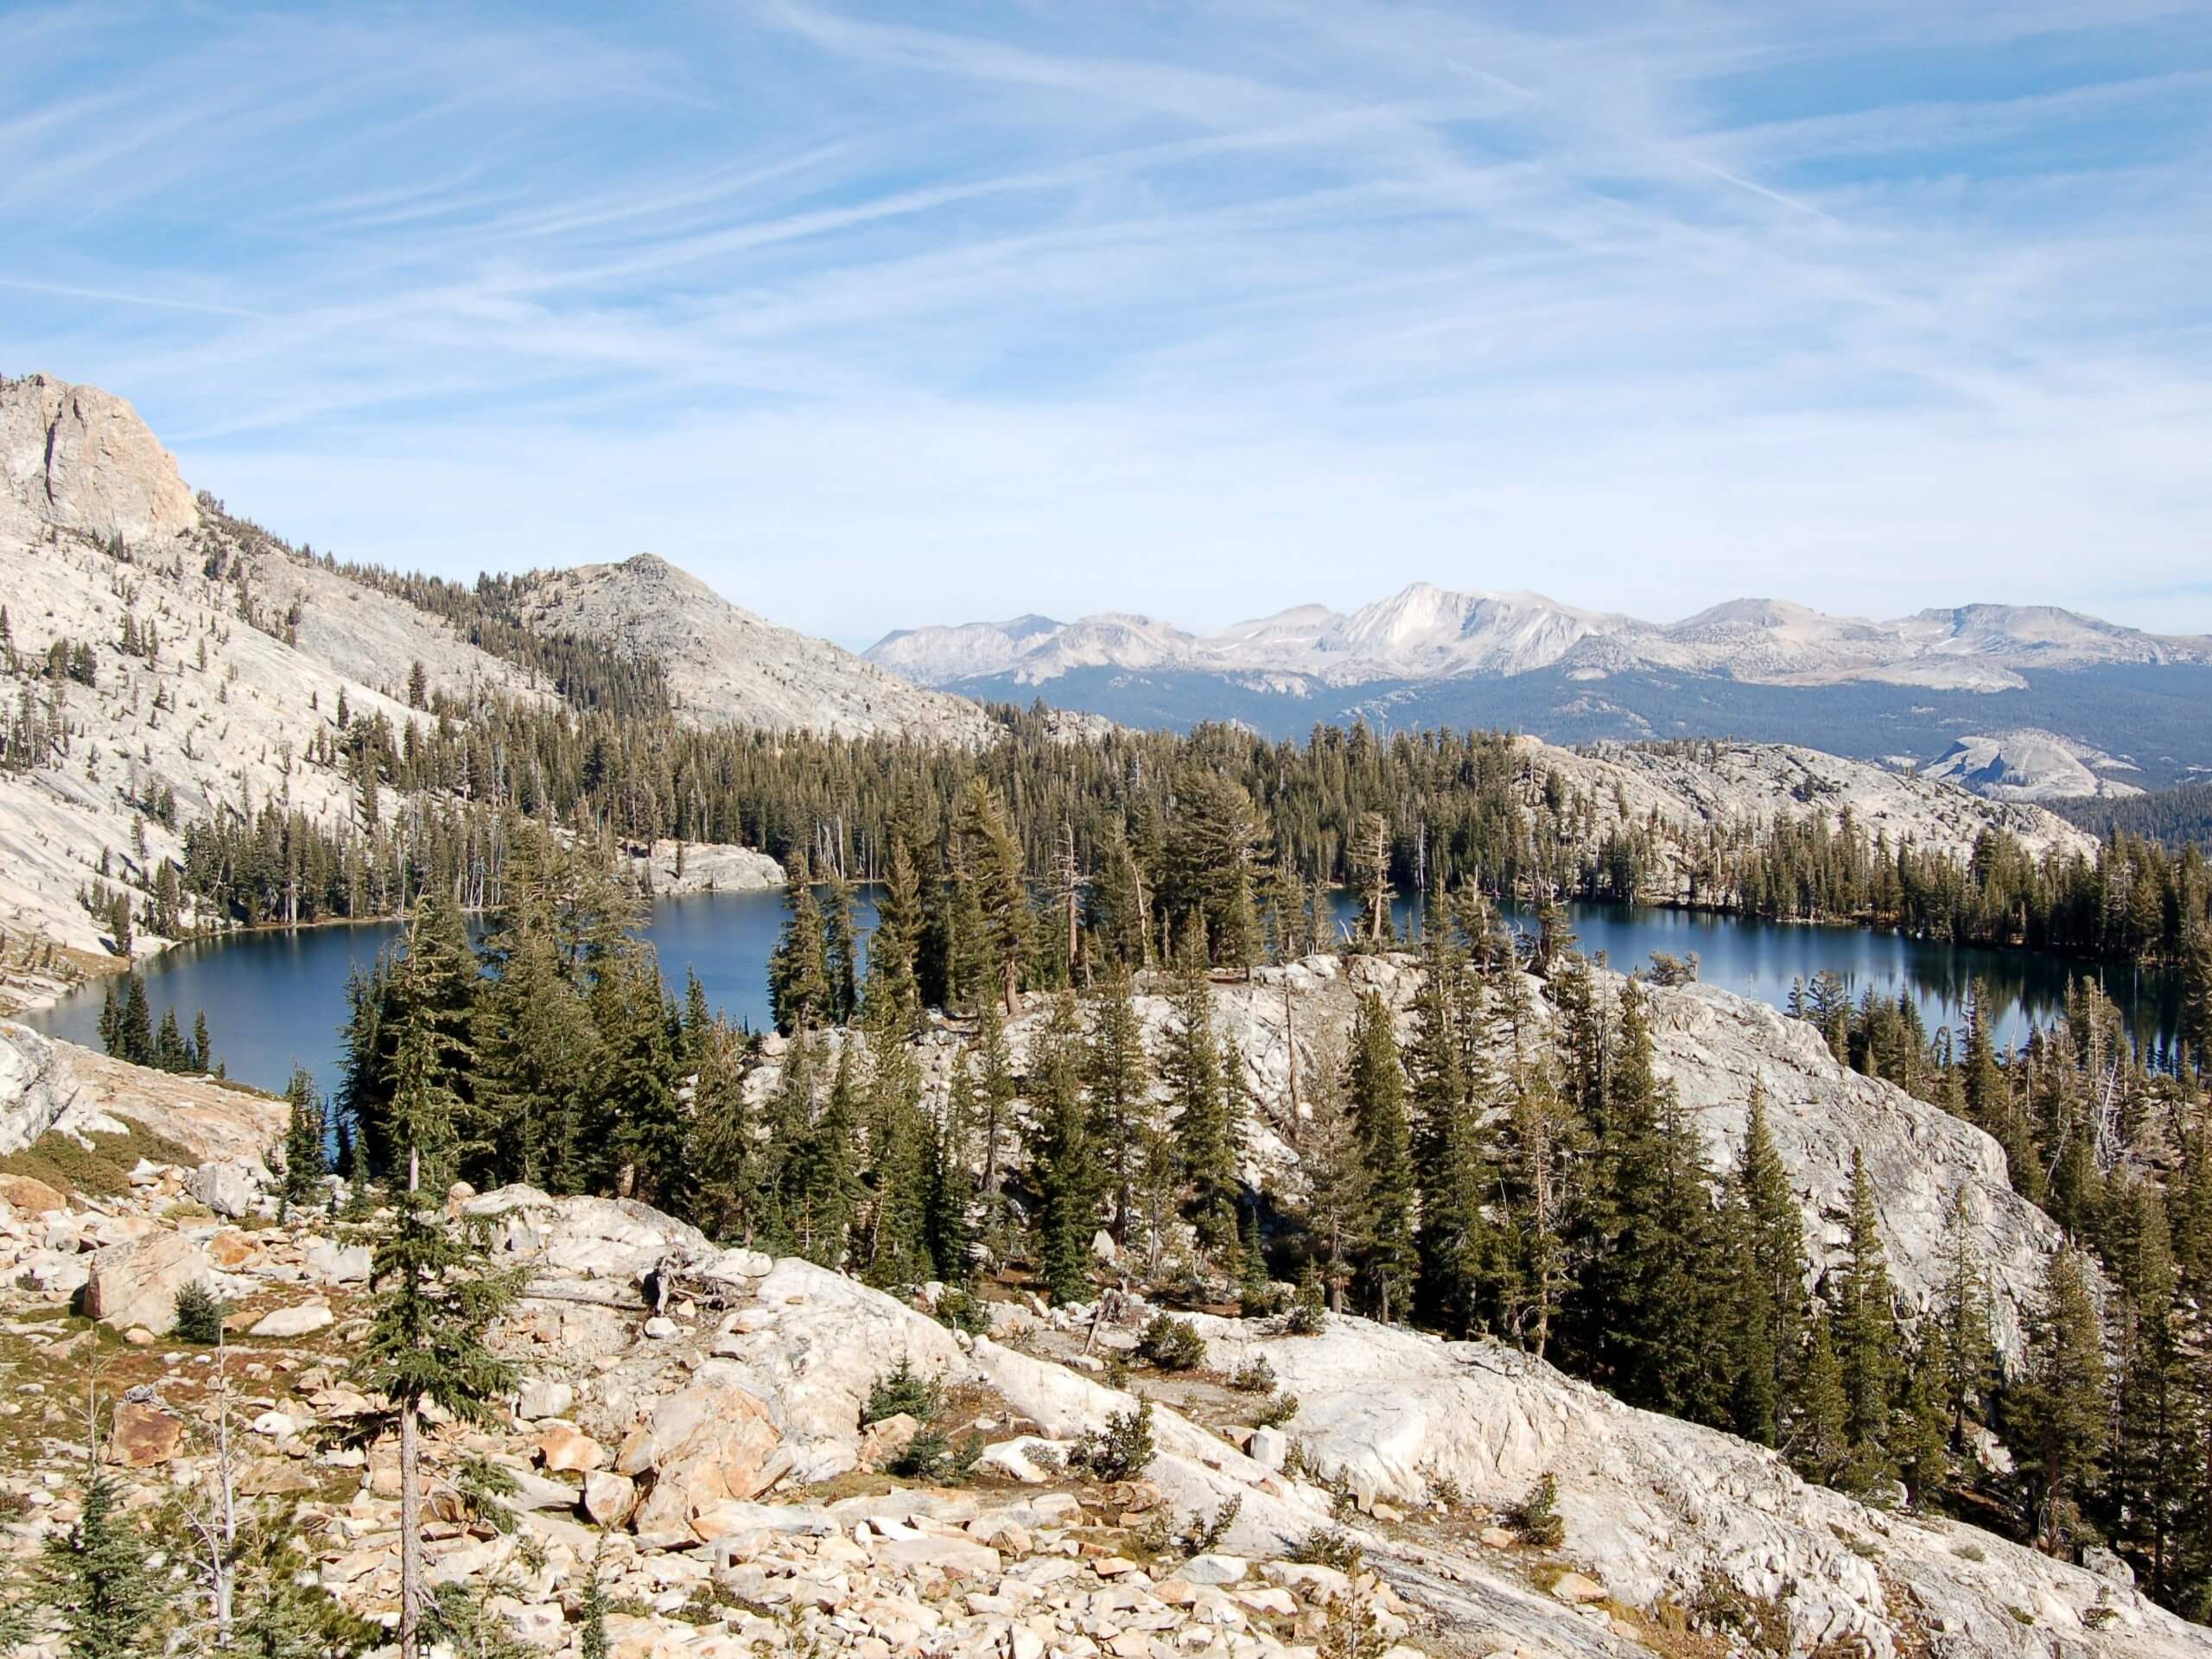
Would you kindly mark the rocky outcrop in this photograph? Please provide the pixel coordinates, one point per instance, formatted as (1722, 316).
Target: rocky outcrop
(78, 458)
(47, 1085)
(1660, 1509)
(689, 1417)
(674, 866)
(34, 1087)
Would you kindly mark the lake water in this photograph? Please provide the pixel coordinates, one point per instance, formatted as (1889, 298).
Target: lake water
(274, 1000)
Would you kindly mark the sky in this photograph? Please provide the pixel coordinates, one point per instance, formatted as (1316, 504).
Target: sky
(875, 316)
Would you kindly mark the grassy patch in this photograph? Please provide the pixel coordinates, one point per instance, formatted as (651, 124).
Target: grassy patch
(102, 1170)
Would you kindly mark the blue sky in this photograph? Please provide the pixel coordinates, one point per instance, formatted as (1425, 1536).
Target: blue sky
(875, 315)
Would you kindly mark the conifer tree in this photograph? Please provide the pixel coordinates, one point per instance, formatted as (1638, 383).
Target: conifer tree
(840, 947)
(1375, 1085)
(1964, 1321)
(822, 1178)
(948, 1215)
(800, 993)
(1819, 1444)
(1199, 1101)
(990, 877)
(893, 992)
(900, 1137)
(435, 1299)
(1117, 1071)
(93, 1576)
(995, 1090)
(1770, 1282)
(1449, 1171)
(1064, 1167)
(1866, 1340)
(305, 1164)
(2055, 1415)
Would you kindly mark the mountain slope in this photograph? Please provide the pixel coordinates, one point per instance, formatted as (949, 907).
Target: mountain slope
(726, 664)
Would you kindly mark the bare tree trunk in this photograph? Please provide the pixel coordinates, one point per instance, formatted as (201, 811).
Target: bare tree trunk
(410, 1495)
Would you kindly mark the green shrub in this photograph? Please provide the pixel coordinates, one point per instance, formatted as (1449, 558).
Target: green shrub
(931, 1456)
(1330, 1547)
(1277, 1412)
(1536, 1517)
(1172, 1344)
(1121, 1451)
(1309, 1313)
(903, 1389)
(199, 1315)
(963, 1310)
(1254, 1376)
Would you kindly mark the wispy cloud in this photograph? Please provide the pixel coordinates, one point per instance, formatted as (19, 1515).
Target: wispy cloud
(876, 319)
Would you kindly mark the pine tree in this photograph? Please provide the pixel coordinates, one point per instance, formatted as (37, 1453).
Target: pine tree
(894, 993)
(304, 1162)
(823, 1183)
(94, 1577)
(1964, 1319)
(995, 1090)
(900, 1135)
(949, 1227)
(990, 877)
(1115, 1069)
(1819, 1444)
(1770, 1303)
(1449, 1171)
(1866, 1340)
(840, 947)
(1199, 1094)
(1375, 1084)
(801, 996)
(2055, 1415)
(436, 1298)
(1063, 1169)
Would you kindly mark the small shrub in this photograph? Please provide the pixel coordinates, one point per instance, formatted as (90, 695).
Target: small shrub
(1444, 1492)
(1254, 1376)
(903, 1388)
(1277, 1412)
(1259, 1301)
(1309, 1313)
(1171, 1344)
(931, 1456)
(1121, 1451)
(1331, 1547)
(1971, 1553)
(1200, 1535)
(963, 1310)
(1536, 1517)
(199, 1315)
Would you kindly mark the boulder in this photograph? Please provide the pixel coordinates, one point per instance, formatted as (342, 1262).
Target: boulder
(29, 1196)
(337, 1264)
(609, 1497)
(711, 1443)
(303, 1319)
(142, 1435)
(135, 1282)
(881, 1442)
(541, 1397)
(1214, 1569)
(564, 1449)
(227, 1187)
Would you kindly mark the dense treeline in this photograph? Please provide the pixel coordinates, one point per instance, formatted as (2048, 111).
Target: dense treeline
(1148, 828)
(2175, 817)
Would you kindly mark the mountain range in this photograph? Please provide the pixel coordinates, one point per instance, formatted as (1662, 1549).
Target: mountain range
(1426, 633)
(2030, 702)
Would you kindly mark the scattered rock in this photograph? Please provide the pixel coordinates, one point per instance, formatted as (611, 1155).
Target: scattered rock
(303, 1319)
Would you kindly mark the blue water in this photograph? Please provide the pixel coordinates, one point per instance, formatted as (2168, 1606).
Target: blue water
(274, 1000)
